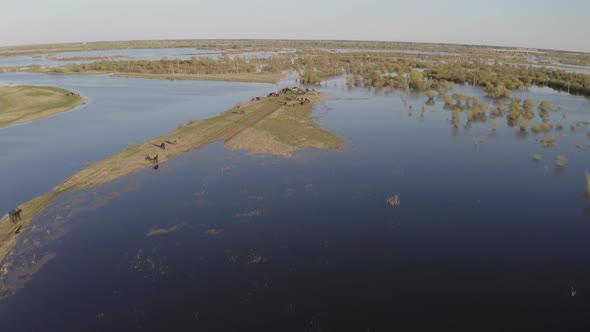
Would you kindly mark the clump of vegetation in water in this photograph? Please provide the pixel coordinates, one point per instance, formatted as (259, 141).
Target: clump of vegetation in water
(456, 119)
(311, 78)
(430, 94)
(393, 200)
(499, 91)
(580, 123)
(537, 157)
(588, 182)
(494, 123)
(524, 122)
(352, 81)
(527, 107)
(548, 141)
(561, 160)
(544, 106)
(514, 110)
(543, 127)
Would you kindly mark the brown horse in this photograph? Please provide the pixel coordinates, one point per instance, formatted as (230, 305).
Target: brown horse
(163, 146)
(15, 215)
(153, 160)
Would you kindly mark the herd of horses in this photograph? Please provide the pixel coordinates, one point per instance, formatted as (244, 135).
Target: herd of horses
(293, 91)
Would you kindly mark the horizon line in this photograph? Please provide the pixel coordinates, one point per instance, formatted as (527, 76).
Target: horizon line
(296, 39)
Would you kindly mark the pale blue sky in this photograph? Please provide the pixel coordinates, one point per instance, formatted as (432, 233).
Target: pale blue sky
(562, 24)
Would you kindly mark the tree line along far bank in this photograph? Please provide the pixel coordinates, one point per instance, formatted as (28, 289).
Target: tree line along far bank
(388, 70)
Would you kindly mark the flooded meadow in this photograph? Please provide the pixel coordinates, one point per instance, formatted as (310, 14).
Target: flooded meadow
(488, 228)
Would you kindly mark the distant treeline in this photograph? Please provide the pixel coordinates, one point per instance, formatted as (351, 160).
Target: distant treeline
(511, 77)
(223, 65)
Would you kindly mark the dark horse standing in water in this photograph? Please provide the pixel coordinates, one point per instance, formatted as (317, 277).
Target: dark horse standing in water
(15, 215)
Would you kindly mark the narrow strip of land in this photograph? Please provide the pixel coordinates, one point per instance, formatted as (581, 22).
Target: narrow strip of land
(237, 77)
(27, 103)
(278, 124)
(229, 77)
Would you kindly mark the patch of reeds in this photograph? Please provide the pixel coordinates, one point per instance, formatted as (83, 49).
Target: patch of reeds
(542, 127)
(548, 141)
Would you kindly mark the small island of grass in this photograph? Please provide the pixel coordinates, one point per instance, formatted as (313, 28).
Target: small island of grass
(26, 103)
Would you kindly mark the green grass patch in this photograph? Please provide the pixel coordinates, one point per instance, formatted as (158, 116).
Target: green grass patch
(26, 103)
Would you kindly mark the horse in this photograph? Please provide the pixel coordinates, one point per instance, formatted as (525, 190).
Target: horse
(163, 146)
(15, 215)
(153, 160)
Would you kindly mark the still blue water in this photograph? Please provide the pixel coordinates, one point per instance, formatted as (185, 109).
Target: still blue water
(219, 240)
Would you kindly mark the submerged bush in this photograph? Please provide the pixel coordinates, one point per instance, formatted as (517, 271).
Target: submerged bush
(537, 157)
(543, 127)
(494, 123)
(393, 200)
(524, 122)
(549, 141)
(430, 94)
(588, 182)
(561, 160)
(544, 106)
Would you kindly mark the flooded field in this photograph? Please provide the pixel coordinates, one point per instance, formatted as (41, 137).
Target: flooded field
(63, 58)
(484, 235)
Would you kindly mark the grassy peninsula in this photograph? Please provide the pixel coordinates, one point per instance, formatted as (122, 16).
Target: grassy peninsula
(26, 103)
(278, 124)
